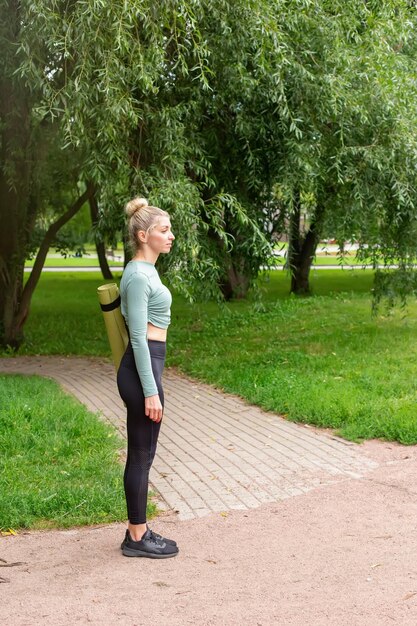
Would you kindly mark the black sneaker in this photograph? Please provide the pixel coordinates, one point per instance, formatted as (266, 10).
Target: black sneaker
(170, 542)
(149, 546)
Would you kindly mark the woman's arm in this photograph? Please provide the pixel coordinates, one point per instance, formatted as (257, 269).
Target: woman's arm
(137, 295)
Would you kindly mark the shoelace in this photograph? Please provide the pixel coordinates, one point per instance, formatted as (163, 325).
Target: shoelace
(158, 537)
(155, 538)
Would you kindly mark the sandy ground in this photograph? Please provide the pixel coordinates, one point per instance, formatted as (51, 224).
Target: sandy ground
(343, 554)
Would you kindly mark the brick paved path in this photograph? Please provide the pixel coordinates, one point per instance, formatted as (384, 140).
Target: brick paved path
(215, 452)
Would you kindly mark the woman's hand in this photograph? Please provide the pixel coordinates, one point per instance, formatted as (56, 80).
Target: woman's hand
(153, 408)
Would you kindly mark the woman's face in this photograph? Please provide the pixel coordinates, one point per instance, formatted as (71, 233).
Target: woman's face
(160, 237)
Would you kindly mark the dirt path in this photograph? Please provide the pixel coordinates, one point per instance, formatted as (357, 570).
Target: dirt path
(344, 554)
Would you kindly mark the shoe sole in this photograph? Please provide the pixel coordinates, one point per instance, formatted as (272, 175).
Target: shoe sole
(150, 555)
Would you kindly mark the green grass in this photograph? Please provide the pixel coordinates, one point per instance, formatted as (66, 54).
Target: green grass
(59, 465)
(65, 316)
(322, 360)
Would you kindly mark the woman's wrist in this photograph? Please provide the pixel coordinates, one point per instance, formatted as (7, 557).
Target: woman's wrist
(151, 394)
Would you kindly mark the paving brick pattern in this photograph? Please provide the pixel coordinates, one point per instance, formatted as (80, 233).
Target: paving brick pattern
(215, 452)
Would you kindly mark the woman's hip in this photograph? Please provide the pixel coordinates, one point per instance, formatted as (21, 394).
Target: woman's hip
(127, 376)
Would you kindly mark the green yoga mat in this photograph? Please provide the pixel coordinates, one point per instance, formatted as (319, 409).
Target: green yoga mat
(109, 299)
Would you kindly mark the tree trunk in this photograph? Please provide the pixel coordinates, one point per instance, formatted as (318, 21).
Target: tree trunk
(100, 245)
(15, 300)
(302, 249)
(235, 283)
(17, 207)
(13, 244)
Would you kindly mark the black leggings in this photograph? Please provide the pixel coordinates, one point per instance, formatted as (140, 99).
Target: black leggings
(142, 432)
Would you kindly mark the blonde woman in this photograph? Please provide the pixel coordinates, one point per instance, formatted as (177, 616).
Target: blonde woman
(145, 304)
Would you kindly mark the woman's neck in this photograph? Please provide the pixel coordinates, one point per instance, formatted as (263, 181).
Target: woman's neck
(149, 258)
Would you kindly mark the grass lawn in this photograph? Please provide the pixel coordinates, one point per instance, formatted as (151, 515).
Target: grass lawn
(59, 464)
(322, 360)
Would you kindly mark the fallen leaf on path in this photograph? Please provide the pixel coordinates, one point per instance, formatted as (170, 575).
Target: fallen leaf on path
(160, 583)
(383, 537)
(376, 565)
(5, 564)
(8, 532)
(409, 595)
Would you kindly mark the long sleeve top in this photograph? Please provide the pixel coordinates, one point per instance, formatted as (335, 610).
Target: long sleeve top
(144, 299)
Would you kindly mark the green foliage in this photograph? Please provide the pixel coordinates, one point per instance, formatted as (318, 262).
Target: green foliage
(149, 65)
(317, 99)
(221, 112)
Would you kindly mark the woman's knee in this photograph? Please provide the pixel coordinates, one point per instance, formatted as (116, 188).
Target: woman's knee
(140, 458)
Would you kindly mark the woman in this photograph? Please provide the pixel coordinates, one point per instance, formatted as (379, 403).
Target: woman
(145, 304)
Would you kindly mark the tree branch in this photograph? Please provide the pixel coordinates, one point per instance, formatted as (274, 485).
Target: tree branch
(43, 251)
(100, 245)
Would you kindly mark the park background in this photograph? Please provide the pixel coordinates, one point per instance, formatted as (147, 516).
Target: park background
(265, 129)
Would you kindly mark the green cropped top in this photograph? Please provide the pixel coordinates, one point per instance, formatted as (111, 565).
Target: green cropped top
(144, 299)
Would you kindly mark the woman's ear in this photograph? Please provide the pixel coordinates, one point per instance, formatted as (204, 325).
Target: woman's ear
(142, 237)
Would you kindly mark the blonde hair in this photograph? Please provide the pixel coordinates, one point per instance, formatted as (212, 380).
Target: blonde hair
(141, 216)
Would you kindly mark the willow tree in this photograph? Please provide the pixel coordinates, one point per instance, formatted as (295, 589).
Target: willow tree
(97, 81)
(343, 97)
(208, 109)
(186, 153)
(308, 99)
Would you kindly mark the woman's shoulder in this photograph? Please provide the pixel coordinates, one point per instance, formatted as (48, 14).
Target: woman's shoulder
(134, 273)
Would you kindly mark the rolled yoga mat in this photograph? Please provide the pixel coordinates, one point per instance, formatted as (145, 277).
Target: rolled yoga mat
(109, 299)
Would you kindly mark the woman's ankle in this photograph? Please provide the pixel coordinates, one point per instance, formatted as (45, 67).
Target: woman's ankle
(137, 531)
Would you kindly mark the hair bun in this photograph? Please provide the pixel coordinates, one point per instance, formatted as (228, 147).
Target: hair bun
(135, 205)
